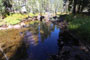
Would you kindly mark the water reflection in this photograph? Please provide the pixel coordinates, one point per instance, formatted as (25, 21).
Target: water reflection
(39, 32)
(39, 42)
(45, 30)
(47, 42)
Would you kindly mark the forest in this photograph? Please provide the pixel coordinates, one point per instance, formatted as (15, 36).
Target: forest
(44, 30)
(42, 6)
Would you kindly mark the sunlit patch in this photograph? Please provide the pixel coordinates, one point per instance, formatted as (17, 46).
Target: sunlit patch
(10, 40)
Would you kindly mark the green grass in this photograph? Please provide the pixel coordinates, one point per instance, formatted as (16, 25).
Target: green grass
(15, 18)
(12, 19)
(80, 25)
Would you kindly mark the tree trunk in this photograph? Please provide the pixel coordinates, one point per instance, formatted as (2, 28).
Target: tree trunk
(74, 7)
(78, 9)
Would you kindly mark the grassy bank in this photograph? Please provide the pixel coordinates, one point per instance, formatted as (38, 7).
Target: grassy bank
(80, 25)
(15, 18)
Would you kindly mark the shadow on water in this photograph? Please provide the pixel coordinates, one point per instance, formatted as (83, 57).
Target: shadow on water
(70, 48)
(20, 53)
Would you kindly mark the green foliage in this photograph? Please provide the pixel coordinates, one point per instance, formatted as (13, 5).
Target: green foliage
(31, 6)
(14, 19)
(2, 23)
(31, 14)
(38, 6)
(2, 8)
(77, 6)
(80, 25)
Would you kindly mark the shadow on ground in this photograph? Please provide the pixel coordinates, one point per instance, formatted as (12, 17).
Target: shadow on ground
(70, 49)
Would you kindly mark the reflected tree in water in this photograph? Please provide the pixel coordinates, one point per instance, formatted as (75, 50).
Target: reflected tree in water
(42, 29)
(45, 30)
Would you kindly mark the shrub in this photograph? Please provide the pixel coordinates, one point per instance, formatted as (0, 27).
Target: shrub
(80, 25)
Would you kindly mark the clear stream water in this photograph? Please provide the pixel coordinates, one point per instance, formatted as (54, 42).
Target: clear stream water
(41, 48)
(45, 46)
(45, 41)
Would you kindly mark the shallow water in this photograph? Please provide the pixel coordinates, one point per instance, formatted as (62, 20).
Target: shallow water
(45, 41)
(39, 42)
(46, 44)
